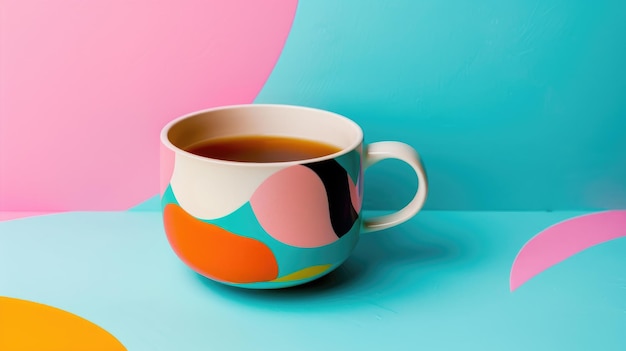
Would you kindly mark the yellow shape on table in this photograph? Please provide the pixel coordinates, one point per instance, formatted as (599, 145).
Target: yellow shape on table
(31, 326)
(304, 273)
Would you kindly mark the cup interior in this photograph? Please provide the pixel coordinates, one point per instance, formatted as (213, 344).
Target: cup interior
(270, 120)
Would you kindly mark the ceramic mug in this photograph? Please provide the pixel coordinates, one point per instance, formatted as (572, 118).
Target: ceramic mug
(271, 225)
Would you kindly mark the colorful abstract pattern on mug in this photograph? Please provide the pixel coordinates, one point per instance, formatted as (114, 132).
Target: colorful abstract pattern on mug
(299, 223)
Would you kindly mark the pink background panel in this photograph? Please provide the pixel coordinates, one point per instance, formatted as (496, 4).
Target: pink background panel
(87, 85)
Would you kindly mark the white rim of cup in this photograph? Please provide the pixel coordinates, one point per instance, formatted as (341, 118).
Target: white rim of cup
(166, 142)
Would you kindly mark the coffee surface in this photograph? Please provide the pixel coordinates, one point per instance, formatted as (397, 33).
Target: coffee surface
(262, 149)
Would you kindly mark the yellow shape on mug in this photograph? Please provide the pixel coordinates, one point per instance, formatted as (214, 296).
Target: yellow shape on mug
(305, 273)
(30, 326)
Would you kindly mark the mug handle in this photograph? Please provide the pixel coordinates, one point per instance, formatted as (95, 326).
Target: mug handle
(382, 150)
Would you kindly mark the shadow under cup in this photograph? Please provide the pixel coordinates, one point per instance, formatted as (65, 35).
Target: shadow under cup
(262, 225)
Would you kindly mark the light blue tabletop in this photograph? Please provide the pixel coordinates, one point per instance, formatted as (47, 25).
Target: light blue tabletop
(437, 282)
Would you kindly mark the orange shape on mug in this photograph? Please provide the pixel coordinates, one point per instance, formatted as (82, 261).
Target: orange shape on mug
(216, 252)
(26, 325)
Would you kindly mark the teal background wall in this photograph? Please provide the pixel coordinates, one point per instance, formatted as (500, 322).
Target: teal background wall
(512, 104)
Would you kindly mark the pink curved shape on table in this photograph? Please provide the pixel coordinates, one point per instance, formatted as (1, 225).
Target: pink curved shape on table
(87, 86)
(564, 239)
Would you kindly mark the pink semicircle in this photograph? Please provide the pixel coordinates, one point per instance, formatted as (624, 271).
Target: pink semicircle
(292, 207)
(563, 240)
(86, 89)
